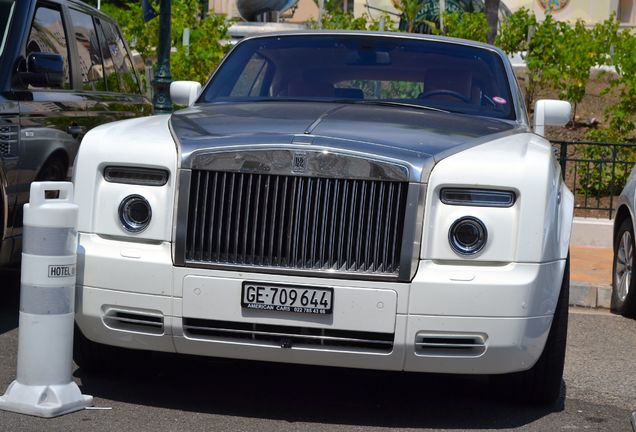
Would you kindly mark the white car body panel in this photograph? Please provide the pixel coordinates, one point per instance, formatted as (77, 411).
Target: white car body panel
(504, 296)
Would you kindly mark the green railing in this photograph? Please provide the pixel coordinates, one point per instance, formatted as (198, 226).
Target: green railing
(596, 173)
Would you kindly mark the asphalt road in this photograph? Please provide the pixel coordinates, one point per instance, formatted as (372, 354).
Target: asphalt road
(152, 392)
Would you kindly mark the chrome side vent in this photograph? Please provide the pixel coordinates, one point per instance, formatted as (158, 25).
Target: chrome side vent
(8, 138)
(450, 344)
(288, 337)
(149, 322)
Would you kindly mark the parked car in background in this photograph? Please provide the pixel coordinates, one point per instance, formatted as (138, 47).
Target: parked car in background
(64, 68)
(351, 199)
(623, 292)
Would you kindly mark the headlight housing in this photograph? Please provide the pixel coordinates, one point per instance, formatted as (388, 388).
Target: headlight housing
(467, 235)
(135, 213)
(477, 197)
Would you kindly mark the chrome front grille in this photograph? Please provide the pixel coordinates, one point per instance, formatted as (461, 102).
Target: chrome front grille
(288, 336)
(295, 222)
(8, 138)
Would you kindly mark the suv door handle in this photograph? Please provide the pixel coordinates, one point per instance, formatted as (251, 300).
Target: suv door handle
(75, 130)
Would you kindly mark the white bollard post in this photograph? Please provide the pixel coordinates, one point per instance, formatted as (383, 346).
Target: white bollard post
(44, 386)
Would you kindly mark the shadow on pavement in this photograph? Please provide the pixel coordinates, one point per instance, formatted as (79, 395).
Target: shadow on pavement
(296, 393)
(10, 303)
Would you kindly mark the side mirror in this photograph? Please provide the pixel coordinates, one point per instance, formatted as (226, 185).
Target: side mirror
(44, 70)
(550, 112)
(184, 92)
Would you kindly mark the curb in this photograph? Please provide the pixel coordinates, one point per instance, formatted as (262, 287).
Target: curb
(592, 232)
(589, 295)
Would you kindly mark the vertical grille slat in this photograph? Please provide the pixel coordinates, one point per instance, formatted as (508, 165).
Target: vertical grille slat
(239, 213)
(322, 246)
(220, 224)
(275, 212)
(212, 214)
(305, 222)
(294, 222)
(283, 221)
(378, 230)
(368, 225)
(204, 207)
(387, 239)
(351, 229)
(255, 224)
(263, 227)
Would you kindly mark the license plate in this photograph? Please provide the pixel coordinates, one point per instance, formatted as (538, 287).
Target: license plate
(287, 298)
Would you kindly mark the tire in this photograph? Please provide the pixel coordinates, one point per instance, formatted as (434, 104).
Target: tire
(54, 169)
(623, 298)
(541, 384)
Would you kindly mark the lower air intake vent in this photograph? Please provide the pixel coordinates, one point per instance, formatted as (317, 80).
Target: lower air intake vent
(8, 138)
(134, 321)
(450, 344)
(288, 337)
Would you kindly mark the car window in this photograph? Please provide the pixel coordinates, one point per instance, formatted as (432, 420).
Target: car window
(90, 56)
(378, 89)
(250, 83)
(110, 72)
(6, 15)
(123, 65)
(455, 77)
(47, 35)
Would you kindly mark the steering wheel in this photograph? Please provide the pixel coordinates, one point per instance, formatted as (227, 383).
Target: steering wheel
(444, 92)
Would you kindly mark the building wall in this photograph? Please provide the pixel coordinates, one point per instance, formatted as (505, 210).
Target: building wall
(360, 7)
(590, 11)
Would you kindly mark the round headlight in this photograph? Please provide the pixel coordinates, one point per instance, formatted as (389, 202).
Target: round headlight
(467, 235)
(134, 213)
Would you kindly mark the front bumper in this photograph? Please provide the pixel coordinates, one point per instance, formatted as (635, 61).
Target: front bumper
(449, 319)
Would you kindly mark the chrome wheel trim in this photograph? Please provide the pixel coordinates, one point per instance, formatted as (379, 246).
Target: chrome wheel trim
(623, 266)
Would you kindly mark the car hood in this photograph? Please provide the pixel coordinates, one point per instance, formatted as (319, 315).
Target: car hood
(412, 137)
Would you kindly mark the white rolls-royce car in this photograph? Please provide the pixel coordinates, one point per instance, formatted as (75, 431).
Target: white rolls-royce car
(354, 199)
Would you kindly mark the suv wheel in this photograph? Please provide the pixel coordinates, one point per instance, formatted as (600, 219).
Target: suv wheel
(53, 169)
(541, 384)
(623, 297)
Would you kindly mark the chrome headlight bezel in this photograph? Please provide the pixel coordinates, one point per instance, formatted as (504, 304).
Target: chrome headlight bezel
(129, 222)
(468, 248)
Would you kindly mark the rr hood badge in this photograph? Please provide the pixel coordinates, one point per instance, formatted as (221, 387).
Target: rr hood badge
(299, 163)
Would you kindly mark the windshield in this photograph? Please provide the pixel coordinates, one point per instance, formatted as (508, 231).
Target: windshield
(6, 14)
(365, 69)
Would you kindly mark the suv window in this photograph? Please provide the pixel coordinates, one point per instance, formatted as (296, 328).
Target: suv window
(6, 14)
(47, 35)
(119, 55)
(90, 56)
(110, 73)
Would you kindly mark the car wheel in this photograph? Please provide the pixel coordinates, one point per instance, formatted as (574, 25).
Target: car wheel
(54, 169)
(541, 384)
(623, 297)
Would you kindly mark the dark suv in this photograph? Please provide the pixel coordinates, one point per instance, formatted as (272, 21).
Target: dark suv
(64, 68)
